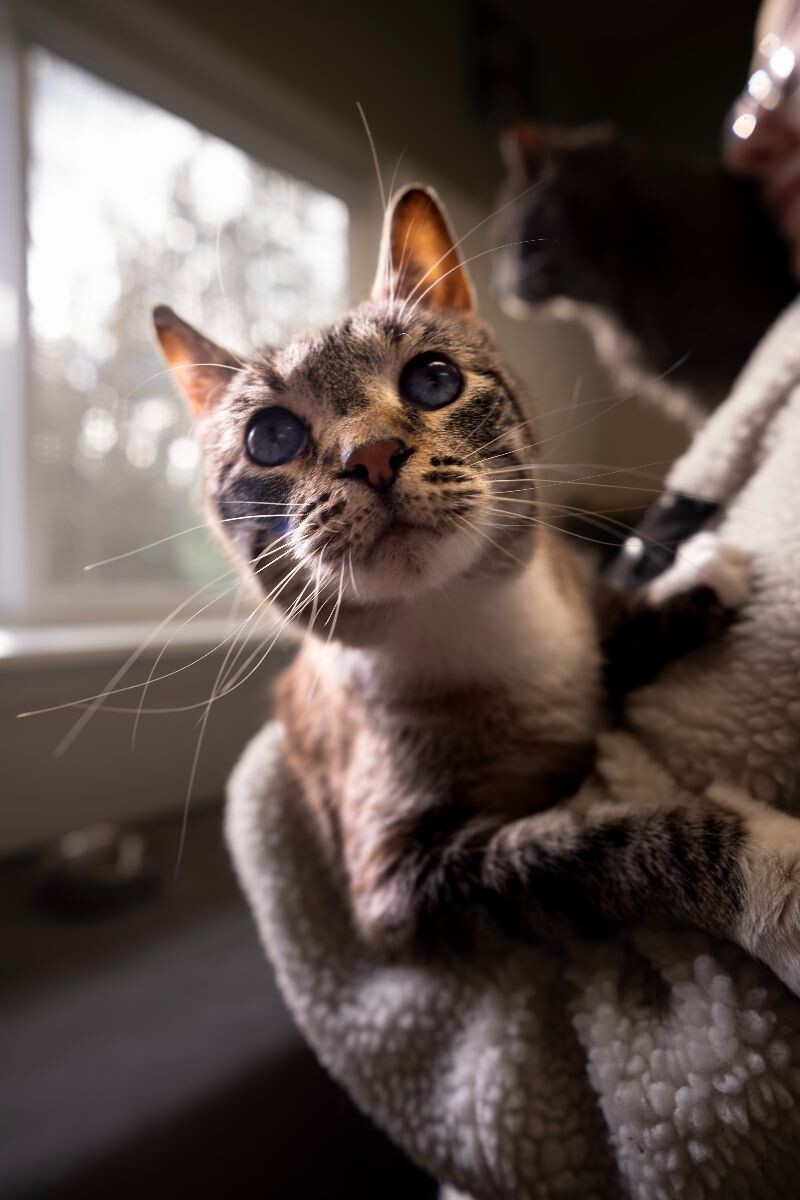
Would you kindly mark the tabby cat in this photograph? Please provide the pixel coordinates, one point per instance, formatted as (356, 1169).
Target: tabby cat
(444, 703)
(667, 259)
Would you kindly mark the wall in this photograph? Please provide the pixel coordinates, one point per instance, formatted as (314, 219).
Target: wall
(661, 71)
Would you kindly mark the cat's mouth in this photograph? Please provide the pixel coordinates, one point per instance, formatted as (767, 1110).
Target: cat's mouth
(402, 559)
(398, 530)
(398, 535)
(394, 548)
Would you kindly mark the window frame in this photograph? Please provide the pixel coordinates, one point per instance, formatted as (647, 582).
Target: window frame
(14, 354)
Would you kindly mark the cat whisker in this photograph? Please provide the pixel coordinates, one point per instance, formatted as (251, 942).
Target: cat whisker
(236, 589)
(566, 532)
(534, 465)
(541, 484)
(221, 282)
(263, 504)
(503, 433)
(333, 618)
(374, 152)
(601, 519)
(236, 682)
(606, 467)
(459, 265)
(397, 279)
(236, 678)
(235, 635)
(389, 283)
(459, 522)
(94, 702)
(395, 172)
(315, 605)
(240, 635)
(484, 221)
(544, 484)
(620, 398)
(183, 708)
(196, 756)
(235, 675)
(544, 464)
(392, 281)
(312, 686)
(352, 573)
(572, 429)
(523, 520)
(237, 647)
(485, 537)
(111, 690)
(270, 598)
(231, 646)
(168, 371)
(295, 611)
(104, 562)
(531, 493)
(614, 396)
(404, 314)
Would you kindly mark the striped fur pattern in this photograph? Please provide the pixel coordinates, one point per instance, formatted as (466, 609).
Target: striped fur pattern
(442, 712)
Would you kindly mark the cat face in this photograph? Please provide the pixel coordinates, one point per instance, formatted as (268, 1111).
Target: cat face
(561, 205)
(368, 458)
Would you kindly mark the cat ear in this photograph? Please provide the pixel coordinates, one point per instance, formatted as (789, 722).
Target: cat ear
(527, 147)
(523, 145)
(418, 259)
(202, 369)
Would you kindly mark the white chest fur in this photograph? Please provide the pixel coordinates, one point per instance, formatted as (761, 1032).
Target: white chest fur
(524, 634)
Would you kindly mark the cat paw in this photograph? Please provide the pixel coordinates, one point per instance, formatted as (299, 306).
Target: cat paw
(705, 561)
(768, 922)
(386, 919)
(779, 947)
(786, 966)
(772, 918)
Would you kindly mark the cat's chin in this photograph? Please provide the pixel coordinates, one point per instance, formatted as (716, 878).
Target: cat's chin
(410, 560)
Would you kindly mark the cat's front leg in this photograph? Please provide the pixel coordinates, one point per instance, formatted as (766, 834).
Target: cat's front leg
(415, 874)
(769, 920)
(722, 863)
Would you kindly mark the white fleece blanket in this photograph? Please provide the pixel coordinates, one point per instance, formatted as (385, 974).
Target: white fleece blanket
(657, 1064)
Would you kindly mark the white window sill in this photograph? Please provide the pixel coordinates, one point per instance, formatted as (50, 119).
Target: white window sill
(48, 647)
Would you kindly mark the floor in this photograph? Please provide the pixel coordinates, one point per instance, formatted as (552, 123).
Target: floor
(147, 1052)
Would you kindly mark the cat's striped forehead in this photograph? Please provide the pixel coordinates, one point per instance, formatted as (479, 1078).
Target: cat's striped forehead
(337, 366)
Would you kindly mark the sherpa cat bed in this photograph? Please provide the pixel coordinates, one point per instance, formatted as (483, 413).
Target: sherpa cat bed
(657, 1064)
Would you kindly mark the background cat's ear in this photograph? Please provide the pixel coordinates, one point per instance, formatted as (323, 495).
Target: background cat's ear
(528, 147)
(202, 369)
(418, 258)
(523, 145)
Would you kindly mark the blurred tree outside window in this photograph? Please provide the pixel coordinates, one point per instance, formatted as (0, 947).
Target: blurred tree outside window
(130, 206)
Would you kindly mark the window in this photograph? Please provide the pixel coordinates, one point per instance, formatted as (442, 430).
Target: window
(124, 184)
(127, 206)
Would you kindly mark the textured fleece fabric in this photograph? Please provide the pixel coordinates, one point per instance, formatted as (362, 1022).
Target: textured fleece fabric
(657, 1064)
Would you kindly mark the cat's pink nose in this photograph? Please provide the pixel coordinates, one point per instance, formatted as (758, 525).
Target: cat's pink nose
(377, 463)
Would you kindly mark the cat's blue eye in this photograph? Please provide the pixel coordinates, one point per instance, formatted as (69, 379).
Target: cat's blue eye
(431, 381)
(275, 436)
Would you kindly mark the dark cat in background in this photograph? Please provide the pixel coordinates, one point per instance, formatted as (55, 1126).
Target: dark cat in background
(668, 260)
